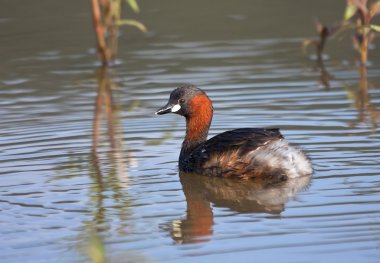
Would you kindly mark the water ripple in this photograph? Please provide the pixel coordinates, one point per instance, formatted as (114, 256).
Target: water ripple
(56, 185)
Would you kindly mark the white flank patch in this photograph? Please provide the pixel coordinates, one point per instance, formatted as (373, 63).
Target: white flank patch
(176, 108)
(281, 155)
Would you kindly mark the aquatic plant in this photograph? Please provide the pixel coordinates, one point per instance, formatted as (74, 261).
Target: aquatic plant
(324, 32)
(106, 16)
(358, 16)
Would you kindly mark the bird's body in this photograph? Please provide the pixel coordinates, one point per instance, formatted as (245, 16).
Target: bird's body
(240, 153)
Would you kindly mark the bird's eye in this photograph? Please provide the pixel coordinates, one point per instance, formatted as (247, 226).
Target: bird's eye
(181, 101)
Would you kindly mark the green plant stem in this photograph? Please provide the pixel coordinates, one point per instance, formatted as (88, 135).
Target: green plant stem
(99, 31)
(364, 50)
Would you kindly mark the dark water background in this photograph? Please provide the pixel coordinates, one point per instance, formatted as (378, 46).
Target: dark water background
(57, 186)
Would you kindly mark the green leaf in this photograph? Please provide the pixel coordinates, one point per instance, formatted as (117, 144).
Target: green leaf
(375, 28)
(131, 22)
(133, 4)
(375, 9)
(350, 11)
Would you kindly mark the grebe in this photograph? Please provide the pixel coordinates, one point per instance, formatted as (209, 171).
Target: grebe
(242, 153)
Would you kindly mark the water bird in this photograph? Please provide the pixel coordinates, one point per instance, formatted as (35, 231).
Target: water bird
(241, 153)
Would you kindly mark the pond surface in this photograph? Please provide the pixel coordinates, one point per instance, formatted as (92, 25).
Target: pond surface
(84, 162)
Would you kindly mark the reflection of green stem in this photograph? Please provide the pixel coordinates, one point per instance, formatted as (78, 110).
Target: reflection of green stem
(95, 249)
(104, 177)
(362, 101)
(106, 102)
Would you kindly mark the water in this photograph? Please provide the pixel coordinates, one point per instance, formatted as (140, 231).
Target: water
(84, 161)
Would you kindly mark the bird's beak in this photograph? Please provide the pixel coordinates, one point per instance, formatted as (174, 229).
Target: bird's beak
(166, 109)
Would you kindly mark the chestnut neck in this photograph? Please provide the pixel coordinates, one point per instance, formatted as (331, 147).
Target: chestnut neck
(198, 122)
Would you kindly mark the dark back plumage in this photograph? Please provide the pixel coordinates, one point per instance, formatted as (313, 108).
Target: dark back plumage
(226, 154)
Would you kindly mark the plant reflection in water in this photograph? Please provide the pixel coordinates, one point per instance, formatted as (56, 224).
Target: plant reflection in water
(106, 107)
(367, 112)
(324, 76)
(110, 163)
(359, 95)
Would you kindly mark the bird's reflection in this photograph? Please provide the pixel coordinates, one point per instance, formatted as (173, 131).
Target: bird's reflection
(243, 196)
